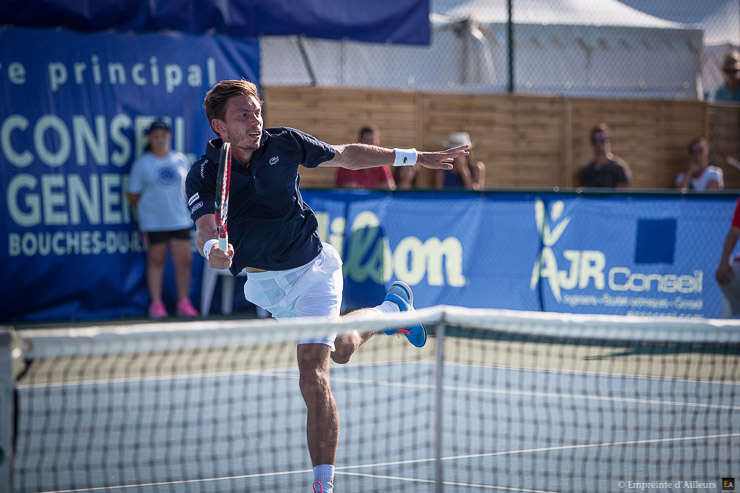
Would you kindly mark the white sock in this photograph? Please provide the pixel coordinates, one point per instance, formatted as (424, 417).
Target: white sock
(387, 307)
(324, 474)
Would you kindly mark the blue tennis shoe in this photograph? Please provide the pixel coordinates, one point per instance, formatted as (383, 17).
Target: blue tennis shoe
(400, 294)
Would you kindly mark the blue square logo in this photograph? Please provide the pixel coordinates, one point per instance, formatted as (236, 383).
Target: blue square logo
(656, 241)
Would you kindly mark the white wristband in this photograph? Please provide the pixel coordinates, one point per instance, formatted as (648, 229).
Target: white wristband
(208, 247)
(405, 157)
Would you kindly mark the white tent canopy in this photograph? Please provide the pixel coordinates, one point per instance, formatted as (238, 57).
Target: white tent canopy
(574, 47)
(719, 19)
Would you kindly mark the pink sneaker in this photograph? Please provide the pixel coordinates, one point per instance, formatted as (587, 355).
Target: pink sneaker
(157, 310)
(186, 309)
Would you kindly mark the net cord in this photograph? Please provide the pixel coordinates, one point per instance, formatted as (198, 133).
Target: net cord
(34, 343)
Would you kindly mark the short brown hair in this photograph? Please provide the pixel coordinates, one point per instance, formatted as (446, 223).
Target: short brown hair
(697, 140)
(216, 98)
(600, 128)
(368, 129)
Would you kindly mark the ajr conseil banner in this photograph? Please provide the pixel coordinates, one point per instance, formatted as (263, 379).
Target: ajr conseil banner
(622, 254)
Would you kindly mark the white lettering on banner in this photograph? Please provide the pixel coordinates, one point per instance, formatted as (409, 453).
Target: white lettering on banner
(80, 135)
(57, 126)
(86, 139)
(62, 199)
(62, 243)
(369, 254)
(587, 267)
(121, 156)
(117, 74)
(622, 279)
(17, 159)
(16, 73)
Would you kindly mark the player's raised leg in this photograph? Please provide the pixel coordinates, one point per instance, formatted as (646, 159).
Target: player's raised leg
(399, 298)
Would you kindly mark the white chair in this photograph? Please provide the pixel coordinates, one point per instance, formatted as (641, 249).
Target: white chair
(208, 285)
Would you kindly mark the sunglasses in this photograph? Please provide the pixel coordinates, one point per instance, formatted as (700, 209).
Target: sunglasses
(696, 150)
(599, 140)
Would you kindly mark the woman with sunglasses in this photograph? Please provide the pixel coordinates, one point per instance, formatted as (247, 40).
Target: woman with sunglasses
(700, 176)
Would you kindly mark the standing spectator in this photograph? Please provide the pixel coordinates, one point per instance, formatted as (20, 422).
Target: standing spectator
(466, 172)
(730, 90)
(728, 269)
(156, 191)
(606, 170)
(370, 178)
(700, 176)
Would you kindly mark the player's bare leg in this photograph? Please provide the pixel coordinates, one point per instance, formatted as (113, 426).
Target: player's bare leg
(346, 344)
(322, 428)
(399, 298)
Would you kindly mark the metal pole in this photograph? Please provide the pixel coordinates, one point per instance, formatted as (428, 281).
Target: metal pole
(7, 411)
(510, 33)
(306, 60)
(439, 332)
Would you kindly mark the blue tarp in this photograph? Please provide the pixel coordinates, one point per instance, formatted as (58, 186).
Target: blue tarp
(377, 21)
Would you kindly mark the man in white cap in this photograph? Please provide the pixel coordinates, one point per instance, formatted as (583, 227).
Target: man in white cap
(466, 173)
(730, 91)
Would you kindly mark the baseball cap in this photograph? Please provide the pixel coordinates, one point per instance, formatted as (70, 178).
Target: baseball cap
(158, 123)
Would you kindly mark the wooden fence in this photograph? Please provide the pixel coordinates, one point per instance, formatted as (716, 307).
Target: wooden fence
(525, 141)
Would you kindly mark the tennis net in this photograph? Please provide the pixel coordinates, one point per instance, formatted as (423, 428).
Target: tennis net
(496, 400)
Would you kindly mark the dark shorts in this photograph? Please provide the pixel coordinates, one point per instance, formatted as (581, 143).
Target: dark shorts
(154, 237)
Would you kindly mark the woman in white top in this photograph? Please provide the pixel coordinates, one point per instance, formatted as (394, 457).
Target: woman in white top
(699, 176)
(156, 190)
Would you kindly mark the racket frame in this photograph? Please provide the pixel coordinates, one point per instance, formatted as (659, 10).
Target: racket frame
(222, 202)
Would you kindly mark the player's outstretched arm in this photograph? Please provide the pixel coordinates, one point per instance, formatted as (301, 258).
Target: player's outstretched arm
(442, 159)
(359, 156)
(205, 230)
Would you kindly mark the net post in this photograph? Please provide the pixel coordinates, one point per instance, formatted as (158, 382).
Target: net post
(7, 387)
(439, 332)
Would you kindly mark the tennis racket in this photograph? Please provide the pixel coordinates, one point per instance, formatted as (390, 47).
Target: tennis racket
(222, 196)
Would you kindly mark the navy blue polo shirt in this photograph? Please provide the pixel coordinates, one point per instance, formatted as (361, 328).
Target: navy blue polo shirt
(269, 225)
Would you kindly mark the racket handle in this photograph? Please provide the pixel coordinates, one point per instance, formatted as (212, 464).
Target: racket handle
(223, 243)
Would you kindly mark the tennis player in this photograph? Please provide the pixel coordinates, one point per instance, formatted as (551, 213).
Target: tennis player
(274, 239)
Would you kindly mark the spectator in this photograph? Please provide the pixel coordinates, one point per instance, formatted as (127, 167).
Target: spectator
(606, 170)
(699, 176)
(156, 191)
(405, 177)
(730, 90)
(728, 269)
(370, 178)
(466, 172)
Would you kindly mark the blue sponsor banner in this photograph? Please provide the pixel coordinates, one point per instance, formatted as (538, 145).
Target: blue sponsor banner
(74, 107)
(631, 255)
(626, 254)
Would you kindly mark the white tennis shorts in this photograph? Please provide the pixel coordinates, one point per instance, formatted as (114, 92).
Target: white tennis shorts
(312, 290)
